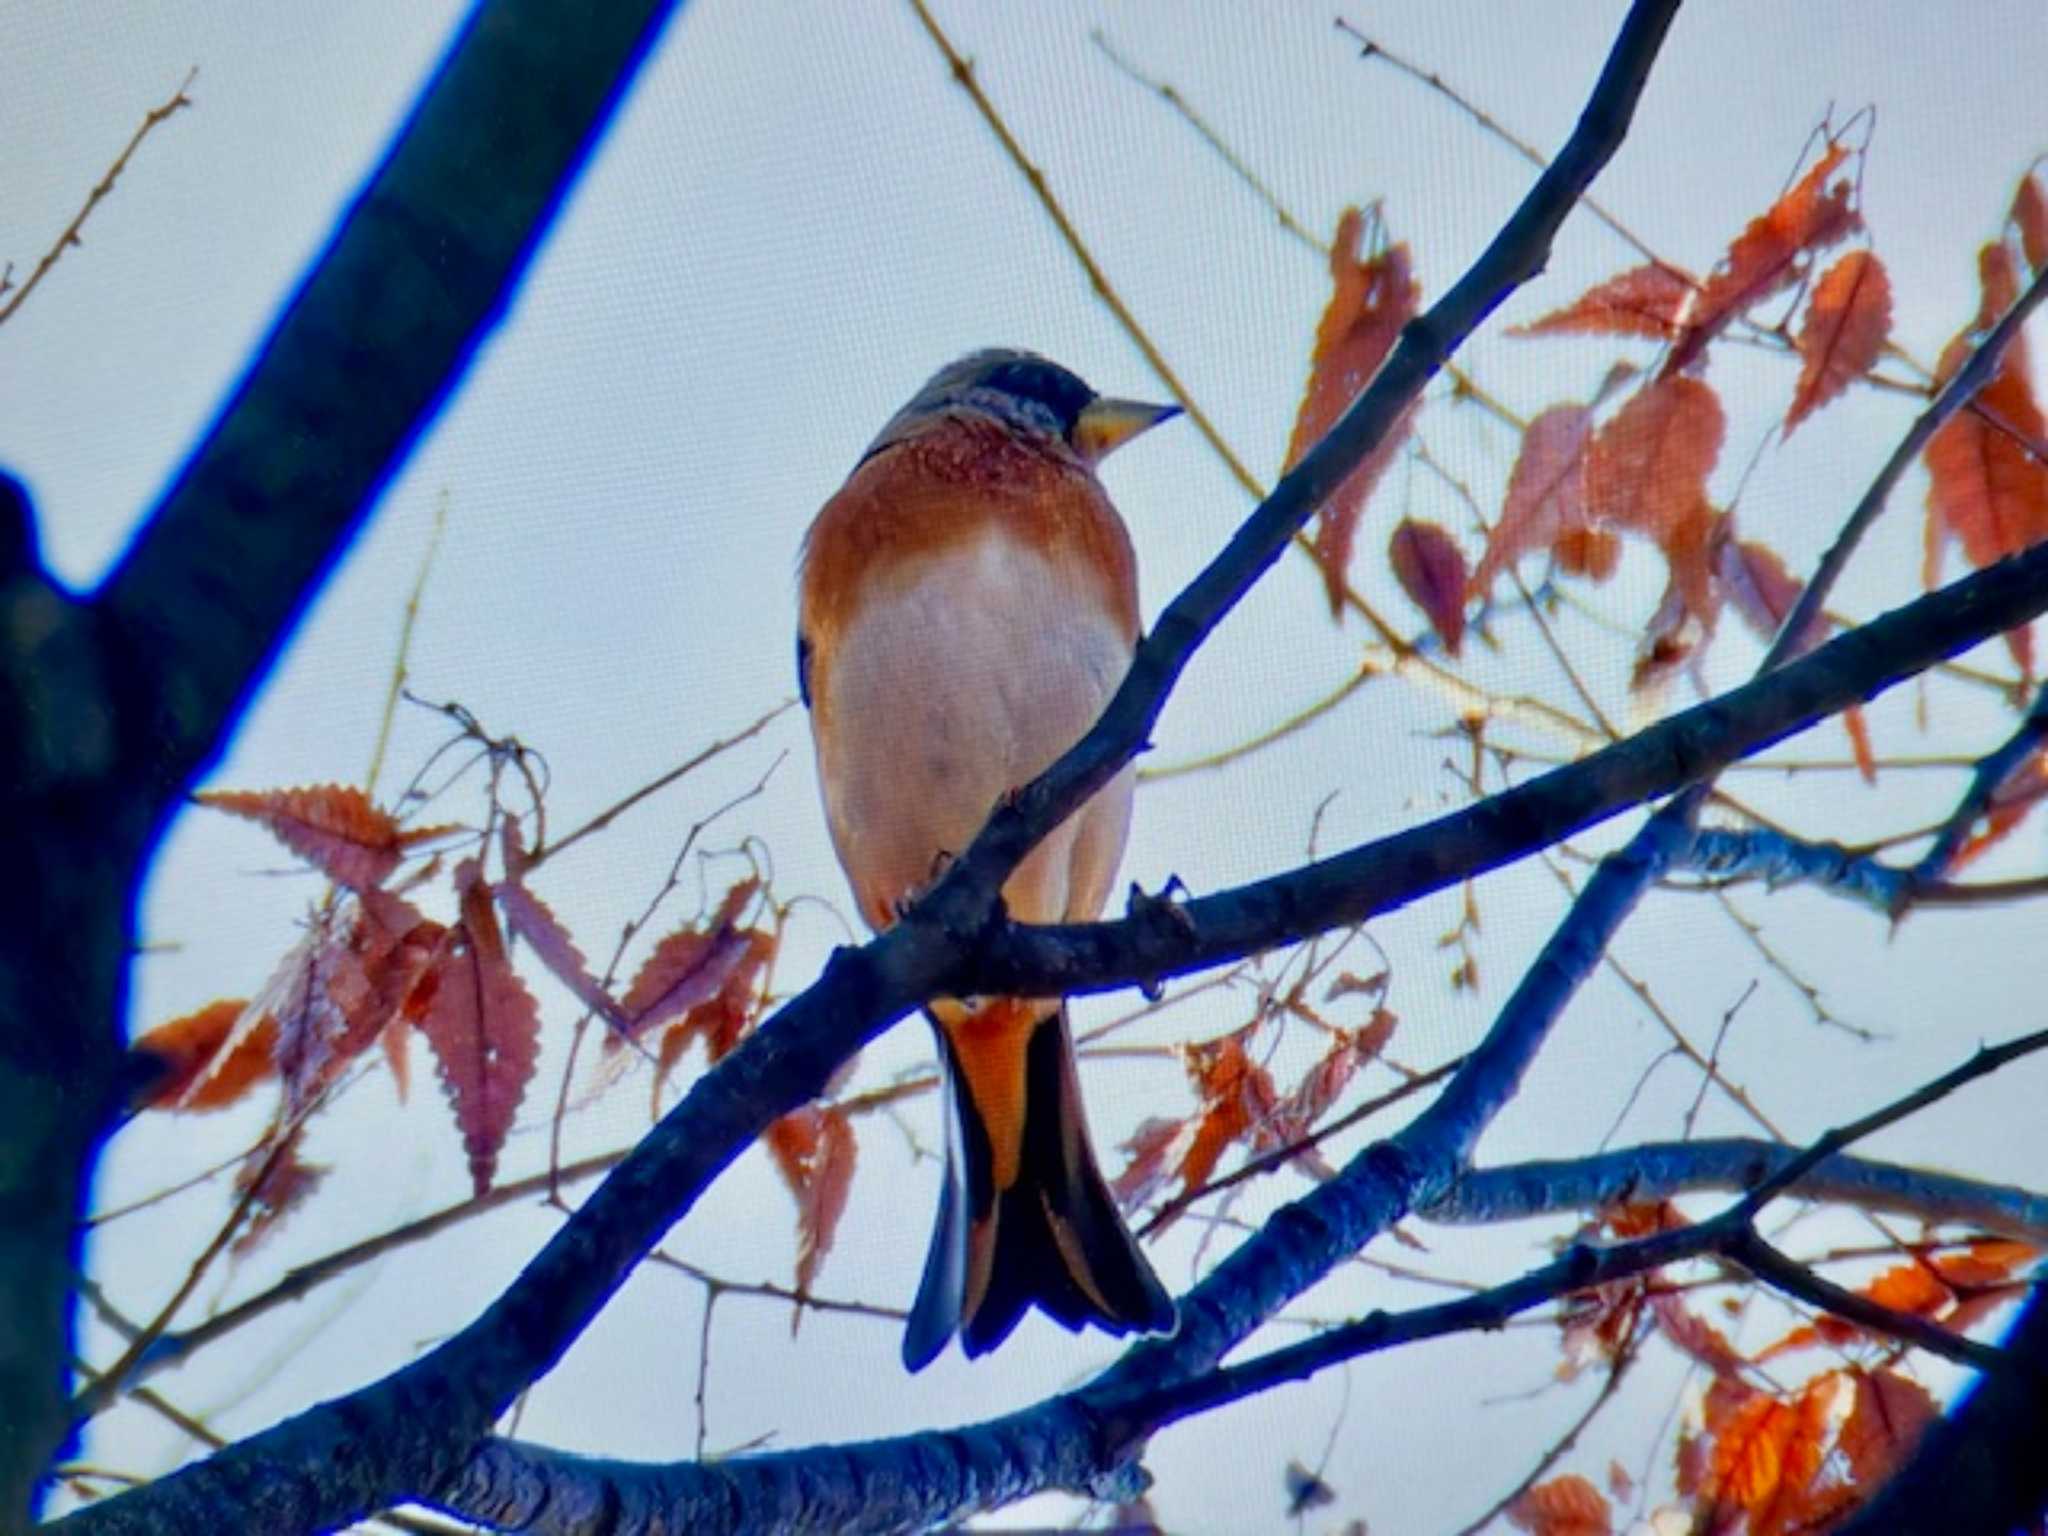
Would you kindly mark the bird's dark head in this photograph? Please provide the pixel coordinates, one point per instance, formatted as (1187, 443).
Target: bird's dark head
(1033, 397)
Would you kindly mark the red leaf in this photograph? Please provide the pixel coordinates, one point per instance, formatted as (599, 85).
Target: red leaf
(1985, 488)
(2030, 216)
(1647, 469)
(688, 967)
(816, 1152)
(483, 1026)
(1847, 321)
(1889, 1415)
(198, 1074)
(1370, 302)
(1156, 1147)
(1296, 1115)
(1859, 743)
(531, 920)
(280, 1185)
(1763, 591)
(333, 827)
(1767, 1455)
(1546, 491)
(1694, 1335)
(1589, 552)
(1238, 1100)
(1649, 300)
(1565, 1506)
(1998, 284)
(1431, 569)
(1770, 255)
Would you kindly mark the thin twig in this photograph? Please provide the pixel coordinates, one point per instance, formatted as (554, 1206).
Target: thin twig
(101, 190)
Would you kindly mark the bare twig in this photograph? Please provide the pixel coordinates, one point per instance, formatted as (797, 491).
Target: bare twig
(100, 191)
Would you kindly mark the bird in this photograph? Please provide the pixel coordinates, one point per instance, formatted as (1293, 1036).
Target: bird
(968, 603)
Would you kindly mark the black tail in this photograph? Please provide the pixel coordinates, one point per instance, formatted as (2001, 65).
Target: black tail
(1053, 1239)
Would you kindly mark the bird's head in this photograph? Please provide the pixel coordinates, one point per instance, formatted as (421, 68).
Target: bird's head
(1032, 397)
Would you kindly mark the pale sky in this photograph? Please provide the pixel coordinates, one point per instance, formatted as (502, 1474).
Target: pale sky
(796, 217)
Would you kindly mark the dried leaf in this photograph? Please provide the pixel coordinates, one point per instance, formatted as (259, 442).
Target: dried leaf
(1306, 1490)
(1650, 300)
(1371, 300)
(1858, 729)
(483, 1026)
(1647, 469)
(1565, 1506)
(531, 920)
(1886, 1419)
(1985, 488)
(816, 1152)
(281, 1184)
(1912, 1288)
(1768, 1455)
(333, 827)
(1847, 321)
(688, 967)
(1694, 1335)
(1155, 1149)
(1756, 581)
(198, 1074)
(1590, 552)
(1546, 497)
(2030, 216)
(1998, 284)
(1431, 569)
(1770, 254)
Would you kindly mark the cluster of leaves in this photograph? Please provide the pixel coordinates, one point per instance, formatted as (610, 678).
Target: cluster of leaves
(372, 968)
(1634, 461)
(1237, 1102)
(1760, 1455)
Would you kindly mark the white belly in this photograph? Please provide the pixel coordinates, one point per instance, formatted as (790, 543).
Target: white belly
(946, 693)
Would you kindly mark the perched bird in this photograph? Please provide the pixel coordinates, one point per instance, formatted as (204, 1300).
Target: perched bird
(969, 602)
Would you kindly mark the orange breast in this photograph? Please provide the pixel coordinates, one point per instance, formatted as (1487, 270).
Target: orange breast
(942, 488)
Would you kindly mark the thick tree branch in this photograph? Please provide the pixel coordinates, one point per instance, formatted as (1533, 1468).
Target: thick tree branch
(1659, 1170)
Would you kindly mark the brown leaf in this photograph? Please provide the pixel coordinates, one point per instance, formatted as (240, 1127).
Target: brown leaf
(1650, 300)
(1154, 1150)
(1768, 1454)
(280, 1185)
(1431, 569)
(1647, 469)
(531, 920)
(1983, 487)
(198, 1074)
(1998, 284)
(688, 967)
(1770, 254)
(333, 827)
(1590, 552)
(1847, 320)
(1885, 1422)
(1370, 301)
(2030, 216)
(1755, 579)
(1858, 728)
(483, 1026)
(1546, 495)
(1565, 1506)
(1694, 1335)
(816, 1152)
